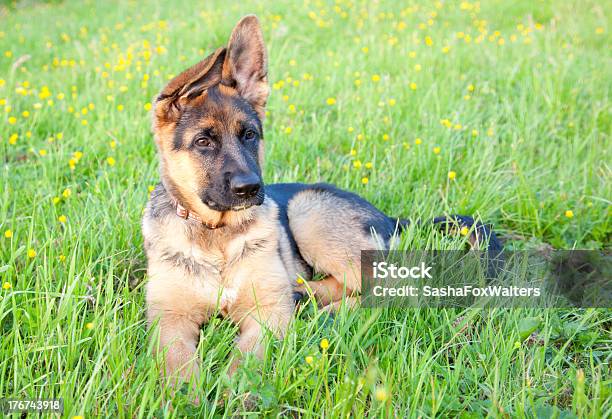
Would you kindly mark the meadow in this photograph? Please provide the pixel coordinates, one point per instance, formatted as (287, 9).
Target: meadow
(498, 109)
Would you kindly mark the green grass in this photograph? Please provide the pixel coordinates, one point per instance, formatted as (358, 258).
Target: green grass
(71, 309)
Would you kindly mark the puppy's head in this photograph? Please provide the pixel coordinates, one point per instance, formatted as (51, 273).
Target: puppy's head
(208, 127)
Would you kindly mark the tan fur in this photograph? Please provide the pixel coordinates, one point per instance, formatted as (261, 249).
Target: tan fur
(329, 237)
(326, 290)
(185, 173)
(350, 302)
(253, 291)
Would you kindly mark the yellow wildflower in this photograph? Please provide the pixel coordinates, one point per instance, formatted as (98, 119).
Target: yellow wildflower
(324, 344)
(381, 394)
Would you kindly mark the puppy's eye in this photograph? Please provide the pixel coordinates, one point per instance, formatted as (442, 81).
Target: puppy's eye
(250, 135)
(203, 142)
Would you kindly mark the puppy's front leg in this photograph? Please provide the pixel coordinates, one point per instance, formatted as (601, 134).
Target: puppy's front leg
(180, 306)
(265, 302)
(178, 336)
(249, 341)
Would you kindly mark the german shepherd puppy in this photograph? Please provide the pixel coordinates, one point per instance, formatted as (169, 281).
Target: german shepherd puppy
(216, 239)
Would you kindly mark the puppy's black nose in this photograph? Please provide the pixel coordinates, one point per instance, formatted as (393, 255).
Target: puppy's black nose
(245, 185)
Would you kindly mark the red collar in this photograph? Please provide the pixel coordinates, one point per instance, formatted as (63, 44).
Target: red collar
(184, 213)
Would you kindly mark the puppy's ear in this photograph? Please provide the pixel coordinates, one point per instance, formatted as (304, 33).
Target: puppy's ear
(188, 85)
(246, 63)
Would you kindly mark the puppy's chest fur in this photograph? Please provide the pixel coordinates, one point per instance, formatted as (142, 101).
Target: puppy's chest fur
(214, 256)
